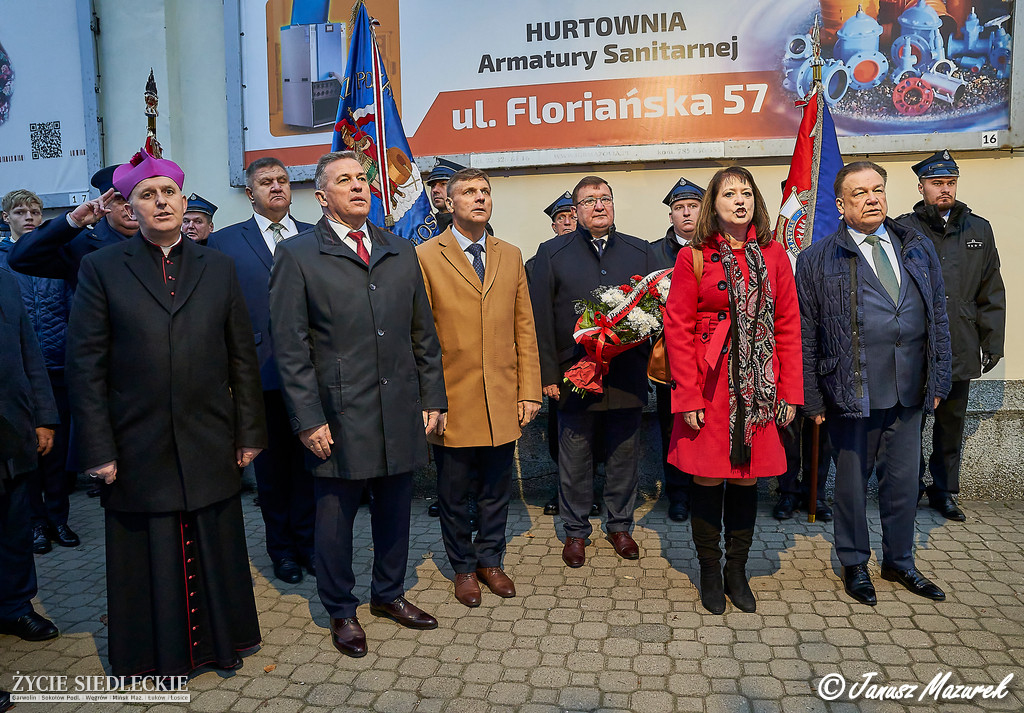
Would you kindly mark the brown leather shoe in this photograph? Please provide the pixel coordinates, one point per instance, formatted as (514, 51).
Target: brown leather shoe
(624, 545)
(348, 637)
(574, 553)
(405, 613)
(497, 581)
(467, 589)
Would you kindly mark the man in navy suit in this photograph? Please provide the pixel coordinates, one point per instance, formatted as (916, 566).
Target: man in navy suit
(56, 248)
(568, 268)
(285, 487)
(876, 356)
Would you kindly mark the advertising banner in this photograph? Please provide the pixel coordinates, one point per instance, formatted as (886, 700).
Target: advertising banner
(48, 134)
(536, 82)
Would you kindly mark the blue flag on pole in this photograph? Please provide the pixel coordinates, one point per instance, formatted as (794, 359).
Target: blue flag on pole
(368, 123)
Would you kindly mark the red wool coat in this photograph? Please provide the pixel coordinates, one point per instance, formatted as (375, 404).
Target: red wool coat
(697, 340)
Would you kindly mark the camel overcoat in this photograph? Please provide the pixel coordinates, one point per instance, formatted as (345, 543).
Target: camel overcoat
(488, 339)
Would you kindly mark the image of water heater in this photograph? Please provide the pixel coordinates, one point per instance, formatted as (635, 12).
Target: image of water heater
(312, 71)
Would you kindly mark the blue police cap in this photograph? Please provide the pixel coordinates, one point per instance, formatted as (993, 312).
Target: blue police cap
(103, 180)
(683, 189)
(443, 171)
(938, 164)
(561, 204)
(200, 205)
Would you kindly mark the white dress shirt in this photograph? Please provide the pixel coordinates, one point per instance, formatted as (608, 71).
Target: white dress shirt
(885, 242)
(465, 242)
(680, 239)
(342, 231)
(268, 234)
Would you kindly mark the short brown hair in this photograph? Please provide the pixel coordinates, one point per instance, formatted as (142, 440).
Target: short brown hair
(856, 167)
(707, 219)
(20, 196)
(589, 181)
(466, 174)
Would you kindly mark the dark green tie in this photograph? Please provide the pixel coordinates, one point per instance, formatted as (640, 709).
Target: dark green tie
(883, 268)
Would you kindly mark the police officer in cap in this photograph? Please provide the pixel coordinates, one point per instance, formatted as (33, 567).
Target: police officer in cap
(683, 202)
(562, 218)
(437, 181)
(198, 221)
(976, 305)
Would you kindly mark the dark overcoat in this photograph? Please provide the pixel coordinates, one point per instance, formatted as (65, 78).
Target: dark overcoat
(245, 244)
(975, 296)
(566, 268)
(55, 249)
(26, 400)
(166, 386)
(357, 350)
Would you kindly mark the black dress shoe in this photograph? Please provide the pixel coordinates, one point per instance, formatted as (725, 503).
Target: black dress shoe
(348, 637)
(783, 509)
(947, 507)
(434, 509)
(5, 701)
(40, 539)
(405, 613)
(288, 570)
(858, 584)
(679, 511)
(94, 492)
(64, 536)
(309, 564)
(31, 627)
(595, 509)
(551, 506)
(914, 581)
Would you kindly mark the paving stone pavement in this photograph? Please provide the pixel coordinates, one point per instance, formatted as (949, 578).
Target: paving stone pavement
(611, 636)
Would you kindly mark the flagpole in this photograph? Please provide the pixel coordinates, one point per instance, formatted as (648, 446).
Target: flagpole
(819, 98)
(379, 123)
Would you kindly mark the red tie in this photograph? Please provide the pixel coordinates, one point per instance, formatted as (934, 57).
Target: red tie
(357, 236)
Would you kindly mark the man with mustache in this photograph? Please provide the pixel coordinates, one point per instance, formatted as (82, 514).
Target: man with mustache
(976, 304)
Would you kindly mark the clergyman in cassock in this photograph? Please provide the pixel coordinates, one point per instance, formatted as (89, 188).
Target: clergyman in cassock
(165, 390)
(360, 367)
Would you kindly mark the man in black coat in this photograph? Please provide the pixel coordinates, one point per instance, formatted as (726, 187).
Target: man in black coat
(568, 268)
(360, 366)
(976, 305)
(56, 248)
(165, 392)
(28, 414)
(284, 485)
(683, 201)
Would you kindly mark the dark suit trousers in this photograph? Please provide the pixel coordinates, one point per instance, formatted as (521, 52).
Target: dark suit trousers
(52, 483)
(337, 502)
(796, 439)
(285, 486)
(677, 483)
(17, 567)
(464, 474)
(576, 441)
(947, 442)
(888, 441)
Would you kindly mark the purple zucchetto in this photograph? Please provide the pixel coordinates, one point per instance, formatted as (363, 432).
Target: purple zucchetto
(142, 166)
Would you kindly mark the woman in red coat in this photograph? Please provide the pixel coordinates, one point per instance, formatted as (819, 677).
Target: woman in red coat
(733, 340)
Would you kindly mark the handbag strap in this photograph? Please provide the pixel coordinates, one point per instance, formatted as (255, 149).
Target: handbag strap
(698, 263)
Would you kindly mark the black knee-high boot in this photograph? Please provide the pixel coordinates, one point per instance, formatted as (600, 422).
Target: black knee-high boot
(740, 516)
(706, 524)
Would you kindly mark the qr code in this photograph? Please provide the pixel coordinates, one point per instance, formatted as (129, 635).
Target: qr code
(45, 139)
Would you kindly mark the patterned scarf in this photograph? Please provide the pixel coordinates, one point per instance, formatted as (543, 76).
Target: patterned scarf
(752, 385)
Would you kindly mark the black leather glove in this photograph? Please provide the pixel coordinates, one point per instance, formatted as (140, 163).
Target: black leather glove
(989, 361)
